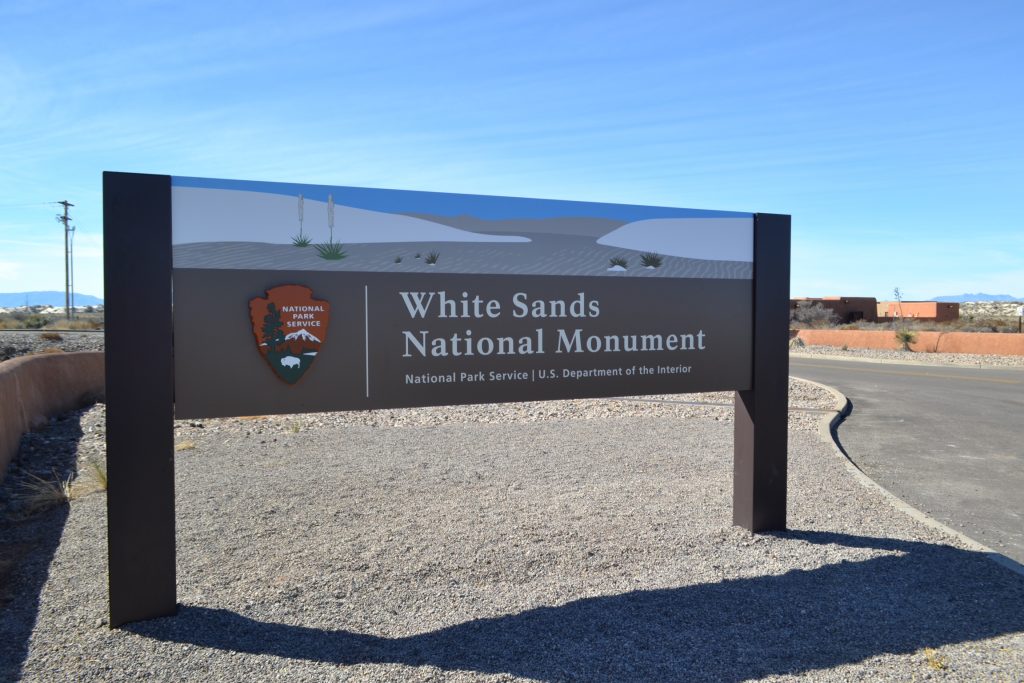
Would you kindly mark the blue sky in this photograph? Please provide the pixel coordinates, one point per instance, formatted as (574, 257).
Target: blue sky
(892, 132)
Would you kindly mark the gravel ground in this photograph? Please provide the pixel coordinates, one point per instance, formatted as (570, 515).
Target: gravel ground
(614, 561)
(22, 343)
(569, 540)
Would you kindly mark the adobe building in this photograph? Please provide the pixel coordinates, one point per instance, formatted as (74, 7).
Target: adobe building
(847, 309)
(936, 311)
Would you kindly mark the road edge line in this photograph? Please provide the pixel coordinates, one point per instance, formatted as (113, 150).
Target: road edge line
(827, 428)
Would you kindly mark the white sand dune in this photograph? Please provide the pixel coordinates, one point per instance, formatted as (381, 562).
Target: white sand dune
(716, 239)
(212, 215)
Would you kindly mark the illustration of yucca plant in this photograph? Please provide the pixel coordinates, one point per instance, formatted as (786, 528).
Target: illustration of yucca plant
(618, 261)
(651, 260)
(331, 250)
(301, 240)
(432, 258)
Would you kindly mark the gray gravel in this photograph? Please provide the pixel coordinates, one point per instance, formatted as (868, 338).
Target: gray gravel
(571, 540)
(14, 344)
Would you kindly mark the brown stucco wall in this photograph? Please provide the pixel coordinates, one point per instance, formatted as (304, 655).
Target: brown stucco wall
(943, 342)
(939, 311)
(32, 388)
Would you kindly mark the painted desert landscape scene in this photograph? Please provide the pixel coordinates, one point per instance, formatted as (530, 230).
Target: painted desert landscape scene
(250, 229)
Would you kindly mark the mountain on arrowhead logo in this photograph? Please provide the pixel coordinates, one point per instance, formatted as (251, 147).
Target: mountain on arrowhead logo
(290, 326)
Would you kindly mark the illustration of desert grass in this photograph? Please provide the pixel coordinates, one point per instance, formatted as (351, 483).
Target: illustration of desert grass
(432, 258)
(618, 261)
(651, 260)
(332, 251)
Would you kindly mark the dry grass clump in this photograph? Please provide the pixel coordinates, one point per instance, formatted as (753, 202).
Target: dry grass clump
(39, 494)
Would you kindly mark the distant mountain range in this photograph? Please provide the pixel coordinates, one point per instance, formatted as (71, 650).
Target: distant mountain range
(15, 299)
(962, 298)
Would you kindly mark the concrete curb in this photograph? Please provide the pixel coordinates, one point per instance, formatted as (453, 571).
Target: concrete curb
(827, 429)
(38, 386)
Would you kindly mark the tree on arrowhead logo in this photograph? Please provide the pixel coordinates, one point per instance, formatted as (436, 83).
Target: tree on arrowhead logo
(290, 326)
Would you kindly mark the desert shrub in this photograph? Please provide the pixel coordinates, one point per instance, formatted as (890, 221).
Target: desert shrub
(432, 258)
(51, 336)
(906, 337)
(812, 313)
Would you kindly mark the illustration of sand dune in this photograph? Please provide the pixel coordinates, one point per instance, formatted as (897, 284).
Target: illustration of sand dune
(715, 239)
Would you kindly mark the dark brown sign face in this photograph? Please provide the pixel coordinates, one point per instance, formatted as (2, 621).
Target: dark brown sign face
(290, 326)
(417, 339)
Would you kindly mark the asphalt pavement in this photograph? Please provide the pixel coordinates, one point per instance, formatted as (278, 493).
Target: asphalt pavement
(946, 439)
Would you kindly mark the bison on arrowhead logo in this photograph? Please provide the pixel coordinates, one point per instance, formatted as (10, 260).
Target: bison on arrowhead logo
(290, 326)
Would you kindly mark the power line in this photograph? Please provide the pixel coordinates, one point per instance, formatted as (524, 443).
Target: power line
(18, 206)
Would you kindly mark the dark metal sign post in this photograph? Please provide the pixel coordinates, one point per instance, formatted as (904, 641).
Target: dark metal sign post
(760, 424)
(721, 325)
(140, 396)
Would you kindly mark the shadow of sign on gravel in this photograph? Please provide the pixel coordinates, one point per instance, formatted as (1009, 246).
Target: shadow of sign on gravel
(29, 537)
(921, 595)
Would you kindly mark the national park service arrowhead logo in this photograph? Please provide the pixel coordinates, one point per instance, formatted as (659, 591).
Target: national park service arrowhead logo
(290, 326)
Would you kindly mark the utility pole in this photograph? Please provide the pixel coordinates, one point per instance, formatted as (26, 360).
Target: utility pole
(67, 257)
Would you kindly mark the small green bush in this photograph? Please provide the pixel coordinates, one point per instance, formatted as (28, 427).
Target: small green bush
(432, 258)
(618, 261)
(301, 241)
(35, 322)
(906, 337)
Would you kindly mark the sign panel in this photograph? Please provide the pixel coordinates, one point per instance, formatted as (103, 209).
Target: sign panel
(298, 298)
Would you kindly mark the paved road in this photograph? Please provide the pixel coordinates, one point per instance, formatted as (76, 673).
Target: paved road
(948, 440)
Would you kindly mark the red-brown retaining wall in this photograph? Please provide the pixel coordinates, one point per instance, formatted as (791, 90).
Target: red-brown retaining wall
(996, 343)
(32, 388)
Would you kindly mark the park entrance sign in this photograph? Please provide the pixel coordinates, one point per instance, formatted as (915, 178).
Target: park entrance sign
(229, 298)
